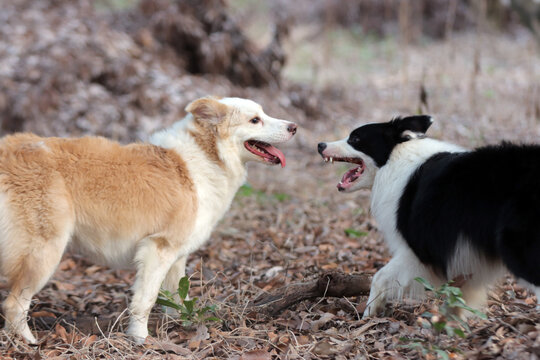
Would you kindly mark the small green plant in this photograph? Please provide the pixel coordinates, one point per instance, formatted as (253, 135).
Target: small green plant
(425, 347)
(281, 197)
(442, 318)
(187, 309)
(355, 233)
(247, 190)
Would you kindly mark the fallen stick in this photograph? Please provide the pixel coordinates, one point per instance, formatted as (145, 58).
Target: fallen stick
(333, 284)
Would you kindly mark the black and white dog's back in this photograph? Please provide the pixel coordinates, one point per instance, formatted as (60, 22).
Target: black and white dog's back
(445, 212)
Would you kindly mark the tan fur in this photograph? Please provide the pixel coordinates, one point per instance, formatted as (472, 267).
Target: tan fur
(211, 118)
(70, 186)
(139, 205)
(138, 186)
(208, 109)
(204, 137)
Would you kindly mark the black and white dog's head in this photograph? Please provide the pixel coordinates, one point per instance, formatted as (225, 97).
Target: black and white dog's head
(370, 146)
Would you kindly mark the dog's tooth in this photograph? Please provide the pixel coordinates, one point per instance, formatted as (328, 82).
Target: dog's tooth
(331, 160)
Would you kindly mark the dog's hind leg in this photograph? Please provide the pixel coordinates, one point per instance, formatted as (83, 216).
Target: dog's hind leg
(34, 232)
(176, 272)
(475, 296)
(29, 273)
(154, 258)
(519, 244)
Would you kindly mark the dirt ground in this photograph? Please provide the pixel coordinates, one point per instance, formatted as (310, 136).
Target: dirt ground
(286, 225)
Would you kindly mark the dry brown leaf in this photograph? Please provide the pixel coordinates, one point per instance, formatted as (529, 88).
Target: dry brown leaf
(88, 341)
(303, 339)
(42, 313)
(64, 286)
(324, 348)
(61, 331)
(256, 355)
(315, 325)
(92, 269)
(200, 335)
(167, 346)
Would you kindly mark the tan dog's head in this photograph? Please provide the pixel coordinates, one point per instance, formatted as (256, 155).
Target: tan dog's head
(241, 126)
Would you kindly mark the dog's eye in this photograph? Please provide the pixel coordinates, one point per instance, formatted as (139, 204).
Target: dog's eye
(255, 120)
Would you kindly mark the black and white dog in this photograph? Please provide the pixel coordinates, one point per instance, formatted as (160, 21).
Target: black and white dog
(445, 212)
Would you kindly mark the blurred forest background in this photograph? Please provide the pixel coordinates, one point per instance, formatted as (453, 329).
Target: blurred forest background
(125, 68)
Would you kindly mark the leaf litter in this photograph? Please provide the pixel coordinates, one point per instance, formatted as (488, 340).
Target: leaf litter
(92, 77)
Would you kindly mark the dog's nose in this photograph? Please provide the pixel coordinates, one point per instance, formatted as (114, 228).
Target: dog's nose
(292, 128)
(321, 147)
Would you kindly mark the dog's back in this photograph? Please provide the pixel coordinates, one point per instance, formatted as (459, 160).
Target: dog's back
(103, 190)
(487, 199)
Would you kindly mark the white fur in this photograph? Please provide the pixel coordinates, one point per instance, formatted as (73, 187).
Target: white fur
(396, 278)
(16, 305)
(391, 179)
(215, 187)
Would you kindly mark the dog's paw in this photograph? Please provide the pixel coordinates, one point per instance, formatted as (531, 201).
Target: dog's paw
(138, 333)
(372, 310)
(25, 333)
(139, 340)
(375, 304)
(29, 338)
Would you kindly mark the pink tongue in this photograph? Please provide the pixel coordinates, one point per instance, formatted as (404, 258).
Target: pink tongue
(349, 176)
(273, 151)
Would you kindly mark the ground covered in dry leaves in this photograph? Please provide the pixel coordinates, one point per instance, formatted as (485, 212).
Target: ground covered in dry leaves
(68, 69)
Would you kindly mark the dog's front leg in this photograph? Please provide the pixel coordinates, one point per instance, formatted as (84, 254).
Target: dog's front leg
(154, 259)
(394, 280)
(379, 290)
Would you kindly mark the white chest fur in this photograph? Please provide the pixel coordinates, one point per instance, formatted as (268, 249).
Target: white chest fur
(215, 191)
(391, 179)
(215, 185)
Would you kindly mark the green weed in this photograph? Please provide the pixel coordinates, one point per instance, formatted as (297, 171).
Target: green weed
(442, 319)
(355, 233)
(189, 312)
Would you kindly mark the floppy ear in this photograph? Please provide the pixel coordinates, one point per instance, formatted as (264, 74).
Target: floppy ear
(412, 127)
(207, 110)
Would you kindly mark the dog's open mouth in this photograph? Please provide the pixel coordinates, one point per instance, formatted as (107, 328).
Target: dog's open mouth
(265, 151)
(350, 176)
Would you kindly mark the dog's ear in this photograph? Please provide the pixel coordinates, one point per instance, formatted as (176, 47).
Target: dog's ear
(207, 110)
(412, 127)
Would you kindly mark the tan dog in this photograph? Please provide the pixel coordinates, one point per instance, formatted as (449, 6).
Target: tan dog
(146, 205)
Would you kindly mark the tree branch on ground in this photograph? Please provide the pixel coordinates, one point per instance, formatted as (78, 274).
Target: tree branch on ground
(329, 284)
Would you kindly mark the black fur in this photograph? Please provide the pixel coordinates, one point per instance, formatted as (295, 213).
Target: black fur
(378, 140)
(490, 195)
